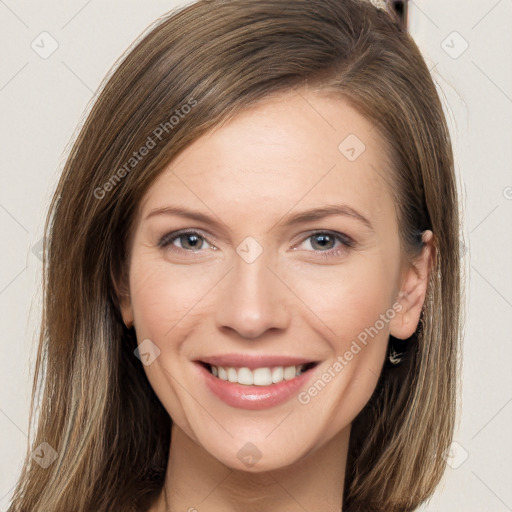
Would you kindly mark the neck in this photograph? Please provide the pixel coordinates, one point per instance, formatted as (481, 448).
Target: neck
(195, 481)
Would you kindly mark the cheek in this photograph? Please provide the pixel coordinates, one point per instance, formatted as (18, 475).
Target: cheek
(162, 294)
(166, 303)
(352, 307)
(347, 299)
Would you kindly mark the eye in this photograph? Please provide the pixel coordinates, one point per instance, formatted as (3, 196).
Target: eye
(189, 241)
(324, 242)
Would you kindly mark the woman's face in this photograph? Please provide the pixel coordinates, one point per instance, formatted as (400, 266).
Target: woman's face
(230, 275)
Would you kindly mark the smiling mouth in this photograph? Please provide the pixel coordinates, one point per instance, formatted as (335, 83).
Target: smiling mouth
(264, 376)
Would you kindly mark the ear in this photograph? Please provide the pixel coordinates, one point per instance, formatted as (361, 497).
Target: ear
(125, 306)
(122, 294)
(413, 290)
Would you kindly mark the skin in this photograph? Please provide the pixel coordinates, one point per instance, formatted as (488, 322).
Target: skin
(276, 159)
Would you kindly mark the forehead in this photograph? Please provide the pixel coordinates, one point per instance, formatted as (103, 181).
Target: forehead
(298, 149)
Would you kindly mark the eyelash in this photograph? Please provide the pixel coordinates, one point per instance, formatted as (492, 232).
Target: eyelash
(166, 242)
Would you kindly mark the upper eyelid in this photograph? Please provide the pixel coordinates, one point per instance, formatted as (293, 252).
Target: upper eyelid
(168, 238)
(199, 231)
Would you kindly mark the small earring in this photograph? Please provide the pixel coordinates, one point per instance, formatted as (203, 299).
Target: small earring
(395, 357)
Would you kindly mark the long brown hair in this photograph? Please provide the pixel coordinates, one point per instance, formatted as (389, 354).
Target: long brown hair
(194, 70)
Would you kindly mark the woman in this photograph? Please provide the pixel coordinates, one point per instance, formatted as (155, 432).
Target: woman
(252, 273)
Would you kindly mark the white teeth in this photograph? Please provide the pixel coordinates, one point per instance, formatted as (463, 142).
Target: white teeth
(261, 376)
(245, 376)
(232, 375)
(258, 376)
(289, 372)
(277, 374)
(223, 374)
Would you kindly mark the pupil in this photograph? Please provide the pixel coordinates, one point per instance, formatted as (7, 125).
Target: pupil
(194, 238)
(323, 239)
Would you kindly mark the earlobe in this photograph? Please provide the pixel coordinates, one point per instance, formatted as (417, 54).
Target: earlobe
(122, 293)
(414, 290)
(126, 311)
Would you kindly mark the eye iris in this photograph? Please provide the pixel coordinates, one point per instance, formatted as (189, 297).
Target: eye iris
(196, 241)
(323, 239)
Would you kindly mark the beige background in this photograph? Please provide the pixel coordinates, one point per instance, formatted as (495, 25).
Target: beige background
(468, 46)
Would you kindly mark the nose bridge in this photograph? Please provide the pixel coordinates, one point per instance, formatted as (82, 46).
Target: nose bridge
(252, 301)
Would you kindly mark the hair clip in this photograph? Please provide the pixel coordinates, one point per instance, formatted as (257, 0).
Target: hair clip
(398, 8)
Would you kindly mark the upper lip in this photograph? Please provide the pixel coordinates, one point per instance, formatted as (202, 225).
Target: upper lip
(253, 361)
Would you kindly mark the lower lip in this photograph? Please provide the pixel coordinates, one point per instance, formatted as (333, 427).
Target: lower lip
(253, 397)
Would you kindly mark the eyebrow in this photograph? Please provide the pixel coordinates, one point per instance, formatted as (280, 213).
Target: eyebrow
(287, 220)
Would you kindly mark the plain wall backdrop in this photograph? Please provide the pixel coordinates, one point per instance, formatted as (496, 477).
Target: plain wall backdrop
(54, 56)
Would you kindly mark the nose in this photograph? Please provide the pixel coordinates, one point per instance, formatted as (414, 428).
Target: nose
(253, 299)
